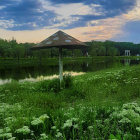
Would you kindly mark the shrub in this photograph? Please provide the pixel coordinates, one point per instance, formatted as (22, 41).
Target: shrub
(23, 132)
(49, 85)
(54, 85)
(67, 81)
(73, 94)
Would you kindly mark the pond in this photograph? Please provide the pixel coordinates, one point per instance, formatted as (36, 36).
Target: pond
(25, 69)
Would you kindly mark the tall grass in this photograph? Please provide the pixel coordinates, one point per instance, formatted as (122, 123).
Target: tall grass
(85, 107)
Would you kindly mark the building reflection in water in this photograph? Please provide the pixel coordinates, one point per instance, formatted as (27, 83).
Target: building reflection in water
(127, 62)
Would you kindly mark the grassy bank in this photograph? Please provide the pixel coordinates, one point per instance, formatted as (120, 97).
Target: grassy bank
(99, 105)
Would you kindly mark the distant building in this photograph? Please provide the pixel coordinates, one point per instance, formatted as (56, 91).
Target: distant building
(127, 53)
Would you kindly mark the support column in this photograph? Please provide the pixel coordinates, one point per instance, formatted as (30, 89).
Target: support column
(60, 65)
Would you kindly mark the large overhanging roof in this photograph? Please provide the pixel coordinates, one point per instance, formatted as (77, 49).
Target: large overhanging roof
(60, 40)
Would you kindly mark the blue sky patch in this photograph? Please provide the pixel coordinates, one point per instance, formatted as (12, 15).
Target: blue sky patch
(30, 15)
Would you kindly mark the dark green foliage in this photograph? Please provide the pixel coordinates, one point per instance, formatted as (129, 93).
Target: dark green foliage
(20, 136)
(67, 81)
(72, 94)
(86, 122)
(12, 49)
(111, 48)
(94, 106)
(54, 85)
(49, 86)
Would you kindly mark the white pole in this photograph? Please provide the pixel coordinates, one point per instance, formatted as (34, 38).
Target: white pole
(60, 65)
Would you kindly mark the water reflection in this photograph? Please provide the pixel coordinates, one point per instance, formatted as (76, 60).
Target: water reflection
(127, 62)
(40, 78)
(2, 82)
(36, 70)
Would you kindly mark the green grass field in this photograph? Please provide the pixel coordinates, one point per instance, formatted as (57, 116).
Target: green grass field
(98, 105)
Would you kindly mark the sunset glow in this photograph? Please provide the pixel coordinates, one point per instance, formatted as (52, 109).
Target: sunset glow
(33, 21)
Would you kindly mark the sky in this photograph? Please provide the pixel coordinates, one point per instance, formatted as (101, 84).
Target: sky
(86, 20)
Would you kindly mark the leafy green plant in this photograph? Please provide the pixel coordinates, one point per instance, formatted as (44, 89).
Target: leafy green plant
(67, 81)
(23, 132)
(95, 106)
(49, 86)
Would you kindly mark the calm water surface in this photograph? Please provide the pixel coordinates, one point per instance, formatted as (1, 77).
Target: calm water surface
(9, 72)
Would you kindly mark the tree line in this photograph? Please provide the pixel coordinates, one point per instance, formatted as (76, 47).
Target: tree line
(111, 48)
(12, 49)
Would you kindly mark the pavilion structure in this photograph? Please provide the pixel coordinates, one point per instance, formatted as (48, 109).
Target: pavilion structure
(60, 40)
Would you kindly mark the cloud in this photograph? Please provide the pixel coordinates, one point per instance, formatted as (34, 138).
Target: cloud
(27, 35)
(131, 32)
(26, 13)
(2, 7)
(5, 24)
(85, 20)
(130, 26)
(39, 14)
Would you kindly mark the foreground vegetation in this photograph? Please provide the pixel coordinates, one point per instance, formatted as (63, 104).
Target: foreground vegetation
(99, 105)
